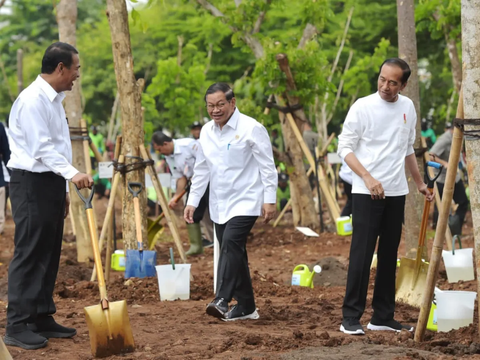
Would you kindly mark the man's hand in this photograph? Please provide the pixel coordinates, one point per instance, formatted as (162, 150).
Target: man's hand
(424, 190)
(172, 203)
(83, 181)
(375, 187)
(188, 213)
(67, 205)
(268, 212)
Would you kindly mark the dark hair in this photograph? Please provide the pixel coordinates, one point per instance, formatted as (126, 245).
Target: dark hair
(220, 86)
(56, 53)
(402, 64)
(159, 138)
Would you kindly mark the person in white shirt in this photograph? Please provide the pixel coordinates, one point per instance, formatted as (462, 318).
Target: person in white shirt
(376, 143)
(235, 156)
(40, 164)
(180, 155)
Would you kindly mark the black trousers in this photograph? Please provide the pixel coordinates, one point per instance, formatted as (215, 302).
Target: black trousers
(233, 277)
(347, 210)
(460, 198)
(38, 207)
(373, 218)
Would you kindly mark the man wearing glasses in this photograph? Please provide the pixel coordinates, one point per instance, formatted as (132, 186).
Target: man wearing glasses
(235, 157)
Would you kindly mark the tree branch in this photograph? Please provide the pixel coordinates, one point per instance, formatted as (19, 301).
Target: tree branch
(261, 17)
(340, 88)
(210, 7)
(209, 58)
(308, 33)
(2, 2)
(251, 41)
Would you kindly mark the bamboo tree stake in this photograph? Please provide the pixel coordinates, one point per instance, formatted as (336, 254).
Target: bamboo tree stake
(19, 71)
(324, 186)
(442, 224)
(438, 200)
(164, 204)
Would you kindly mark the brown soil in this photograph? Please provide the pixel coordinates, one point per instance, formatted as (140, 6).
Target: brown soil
(295, 322)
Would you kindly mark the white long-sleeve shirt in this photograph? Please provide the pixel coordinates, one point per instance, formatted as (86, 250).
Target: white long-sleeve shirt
(380, 134)
(39, 134)
(182, 161)
(238, 163)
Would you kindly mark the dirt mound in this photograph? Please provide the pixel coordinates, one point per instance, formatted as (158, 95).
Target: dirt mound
(334, 273)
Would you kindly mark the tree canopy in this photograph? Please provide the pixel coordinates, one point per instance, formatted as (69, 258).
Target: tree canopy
(181, 46)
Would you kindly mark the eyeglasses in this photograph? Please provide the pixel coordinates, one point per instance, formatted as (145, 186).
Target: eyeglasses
(219, 106)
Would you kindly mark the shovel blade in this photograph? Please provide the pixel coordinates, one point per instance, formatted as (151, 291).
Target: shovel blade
(140, 264)
(4, 354)
(410, 286)
(112, 335)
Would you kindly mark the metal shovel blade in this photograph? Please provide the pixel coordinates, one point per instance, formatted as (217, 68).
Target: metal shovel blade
(411, 285)
(109, 329)
(140, 264)
(4, 354)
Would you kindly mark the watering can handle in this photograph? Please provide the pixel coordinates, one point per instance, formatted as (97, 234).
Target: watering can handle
(456, 237)
(87, 202)
(300, 266)
(135, 193)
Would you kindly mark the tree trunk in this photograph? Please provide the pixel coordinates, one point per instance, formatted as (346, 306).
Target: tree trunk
(67, 18)
(407, 50)
(131, 112)
(455, 61)
(471, 104)
(19, 70)
(298, 176)
(303, 207)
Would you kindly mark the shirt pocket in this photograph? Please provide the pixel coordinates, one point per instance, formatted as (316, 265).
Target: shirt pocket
(236, 154)
(403, 138)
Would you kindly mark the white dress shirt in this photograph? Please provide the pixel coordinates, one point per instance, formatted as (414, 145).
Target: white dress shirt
(39, 134)
(237, 161)
(182, 161)
(380, 134)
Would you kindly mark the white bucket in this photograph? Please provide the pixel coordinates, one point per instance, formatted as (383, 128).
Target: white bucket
(459, 266)
(454, 309)
(174, 284)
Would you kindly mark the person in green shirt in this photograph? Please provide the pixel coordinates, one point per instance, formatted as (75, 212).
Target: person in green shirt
(428, 133)
(102, 186)
(99, 143)
(283, 191)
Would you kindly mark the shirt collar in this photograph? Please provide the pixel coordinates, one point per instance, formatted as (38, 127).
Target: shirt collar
(176, 148)
(233, 121)
(49, 90)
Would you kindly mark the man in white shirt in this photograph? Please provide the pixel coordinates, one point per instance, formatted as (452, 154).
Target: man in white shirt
(180, 155)
(376, 143)
(235, 157)
(40, 164)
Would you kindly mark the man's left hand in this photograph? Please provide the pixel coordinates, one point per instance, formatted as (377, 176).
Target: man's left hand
(268, 212)
(67, 205)
(424, 190)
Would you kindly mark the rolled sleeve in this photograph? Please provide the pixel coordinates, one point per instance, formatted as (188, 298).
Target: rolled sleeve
(352, 129)
(411, 139)
(200, 179)
(263, 154)
(42, 148)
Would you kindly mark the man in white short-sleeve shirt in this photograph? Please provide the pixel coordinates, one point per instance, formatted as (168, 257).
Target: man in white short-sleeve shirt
(376, 143)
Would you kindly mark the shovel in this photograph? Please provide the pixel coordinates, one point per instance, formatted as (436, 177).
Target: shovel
(412, 275)
(4, 354)
(108, 323)
(140, 263)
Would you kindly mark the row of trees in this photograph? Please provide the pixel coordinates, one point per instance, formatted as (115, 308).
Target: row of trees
(181, 46)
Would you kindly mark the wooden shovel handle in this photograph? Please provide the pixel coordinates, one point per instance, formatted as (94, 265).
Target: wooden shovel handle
(138, 222)
(96, 254)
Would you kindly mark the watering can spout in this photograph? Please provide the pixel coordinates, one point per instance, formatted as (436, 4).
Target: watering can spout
(316, 269)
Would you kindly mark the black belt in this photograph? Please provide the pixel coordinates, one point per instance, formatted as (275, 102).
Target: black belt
(31, 172)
